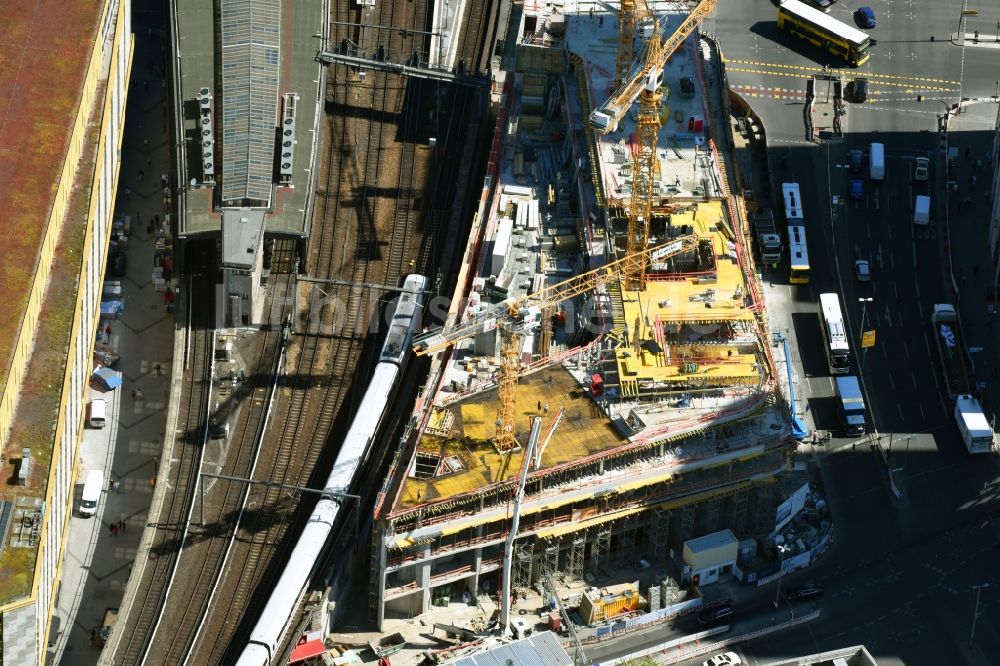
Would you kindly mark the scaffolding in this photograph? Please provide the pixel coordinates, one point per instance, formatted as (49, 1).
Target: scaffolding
(577, 549)
(600, 549)
(659, 530)
(521, 571)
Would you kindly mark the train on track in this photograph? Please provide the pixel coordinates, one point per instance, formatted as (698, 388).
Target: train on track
(267, 633)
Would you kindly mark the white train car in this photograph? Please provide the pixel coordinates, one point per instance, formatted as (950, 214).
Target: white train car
(273, 621)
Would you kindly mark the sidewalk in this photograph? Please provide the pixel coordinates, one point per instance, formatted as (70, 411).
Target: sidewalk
(968, 211)
(97, 562)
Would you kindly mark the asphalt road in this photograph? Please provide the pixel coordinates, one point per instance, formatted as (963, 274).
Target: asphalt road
(899, 578)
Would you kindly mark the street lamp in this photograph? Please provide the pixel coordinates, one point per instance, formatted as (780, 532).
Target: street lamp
(975, 612)
(864, 303)
(781, 567)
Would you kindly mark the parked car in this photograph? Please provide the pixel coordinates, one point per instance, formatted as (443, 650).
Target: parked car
(118, 263)
(920, 169)
(856, 160)
(724, 659)
(804, 591)
(717, 614)
(865, 17)
(857, 189)
(857, 90)
(862, 271)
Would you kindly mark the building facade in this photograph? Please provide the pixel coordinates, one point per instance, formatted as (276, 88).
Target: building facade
(42, 405)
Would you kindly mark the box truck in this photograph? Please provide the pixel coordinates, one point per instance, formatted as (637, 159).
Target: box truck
(852, 405)
(922, 210)
(972, 424)
(876, 162)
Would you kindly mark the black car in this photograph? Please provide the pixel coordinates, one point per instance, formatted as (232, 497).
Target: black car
(856, 160)
(118, 264)
(857, 90)
(804, 591)
(713, 615)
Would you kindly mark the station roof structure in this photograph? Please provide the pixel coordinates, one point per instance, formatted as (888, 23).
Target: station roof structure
(267, 49)
(42, 69)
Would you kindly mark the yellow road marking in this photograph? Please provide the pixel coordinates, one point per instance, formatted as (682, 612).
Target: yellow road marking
(848, 72)
(909, 85)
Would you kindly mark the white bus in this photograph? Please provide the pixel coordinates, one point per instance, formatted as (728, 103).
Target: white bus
(798, 255)
(793, 203)
(838, 348)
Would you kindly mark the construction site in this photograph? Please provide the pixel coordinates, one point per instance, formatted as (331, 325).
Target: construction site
(603, 390)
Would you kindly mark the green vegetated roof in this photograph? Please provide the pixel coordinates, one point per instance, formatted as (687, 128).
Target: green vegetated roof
(42, 69)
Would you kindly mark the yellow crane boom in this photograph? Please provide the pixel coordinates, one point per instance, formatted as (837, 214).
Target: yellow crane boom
(517, 316)
(605, 118)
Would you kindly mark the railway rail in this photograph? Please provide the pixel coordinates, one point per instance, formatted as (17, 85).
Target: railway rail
(135, 629)
(352, 216)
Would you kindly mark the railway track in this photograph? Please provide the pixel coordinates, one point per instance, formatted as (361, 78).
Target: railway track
(345, 245)
(135, 631)
(479, 18)
(215, 513)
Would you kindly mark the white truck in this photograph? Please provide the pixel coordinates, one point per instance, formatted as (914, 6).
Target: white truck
(922, 210)
(972, 424)
(876, 162)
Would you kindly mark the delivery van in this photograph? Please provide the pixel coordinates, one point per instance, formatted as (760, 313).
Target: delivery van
(97, 413)
(876, 162)
(922, 210)
(92, 489)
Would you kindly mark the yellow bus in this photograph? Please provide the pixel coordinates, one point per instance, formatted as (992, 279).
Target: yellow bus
(824, 31)
(798, 254)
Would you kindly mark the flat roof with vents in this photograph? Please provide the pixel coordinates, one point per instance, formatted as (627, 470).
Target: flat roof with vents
(250, 56)
(289, 35)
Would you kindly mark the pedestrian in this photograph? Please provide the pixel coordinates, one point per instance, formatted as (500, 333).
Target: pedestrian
(972, 181)
(979, 163)
(121, 527)
(963, 280)
(158, 368)
(164, 180)
(138, 394)
(116, 486)
(141, 174)
(976, 33)
(135, 394)
(114, 529)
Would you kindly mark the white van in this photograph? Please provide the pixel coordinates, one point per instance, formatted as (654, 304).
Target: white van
(97, 413)
(876, 162)
(922, 210)
(92, 489)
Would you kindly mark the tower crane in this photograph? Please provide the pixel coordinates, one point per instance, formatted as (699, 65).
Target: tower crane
(645, 85)
(606, 117)
(517, 317)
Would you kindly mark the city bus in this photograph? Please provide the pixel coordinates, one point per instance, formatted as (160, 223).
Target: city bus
(838, 349)
(793, 203)
(824, 31)
(798, 265)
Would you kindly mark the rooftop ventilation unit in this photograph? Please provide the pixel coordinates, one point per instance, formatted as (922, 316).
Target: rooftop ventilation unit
(286, 149)
(206, 127)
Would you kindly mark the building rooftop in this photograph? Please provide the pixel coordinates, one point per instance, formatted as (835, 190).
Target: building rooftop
(247, 169)
(542, 649)
(42, 69)
(669, 362)
(711, 541)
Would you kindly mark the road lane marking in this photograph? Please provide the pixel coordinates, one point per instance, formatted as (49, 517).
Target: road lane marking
(811, 69)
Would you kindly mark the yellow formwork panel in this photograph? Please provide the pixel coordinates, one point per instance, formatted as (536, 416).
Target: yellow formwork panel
(682, 363)
(585, 430)
(474, 422)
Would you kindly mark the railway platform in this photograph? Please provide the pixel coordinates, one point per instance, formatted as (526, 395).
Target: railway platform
(98, 563)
